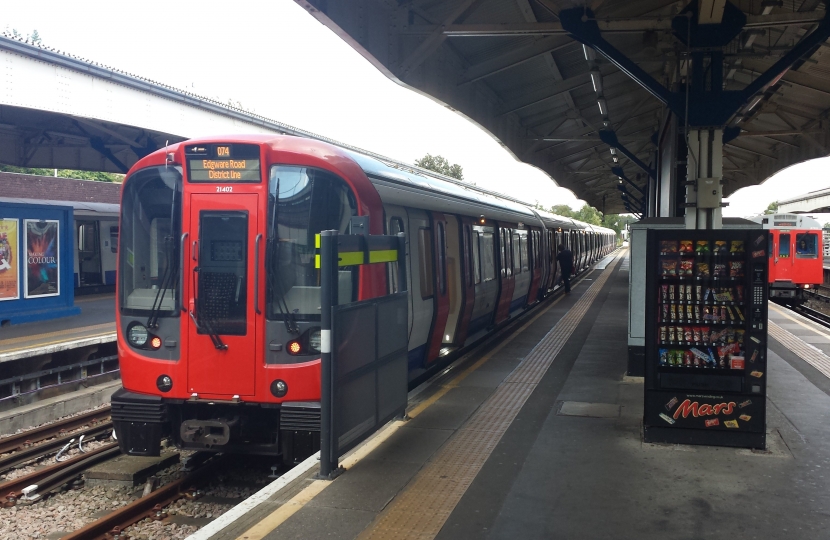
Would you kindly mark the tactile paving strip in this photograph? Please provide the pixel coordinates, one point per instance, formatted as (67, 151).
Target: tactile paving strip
(810, 354)
(420, 511)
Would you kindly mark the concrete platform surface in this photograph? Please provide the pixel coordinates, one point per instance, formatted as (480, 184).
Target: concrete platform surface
(95, 324)
(568, 461)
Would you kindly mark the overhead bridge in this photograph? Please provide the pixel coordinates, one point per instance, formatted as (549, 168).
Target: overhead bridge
(815, 201)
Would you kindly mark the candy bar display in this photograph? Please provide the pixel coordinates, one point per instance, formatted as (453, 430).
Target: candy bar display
(706, 339)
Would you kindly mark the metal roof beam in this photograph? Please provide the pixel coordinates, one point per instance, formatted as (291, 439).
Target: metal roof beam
(616, 26)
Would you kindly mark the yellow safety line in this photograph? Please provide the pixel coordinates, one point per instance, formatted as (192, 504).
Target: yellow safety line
(56, 333)
(281, 514)
(278, 516)
(804, 325)
(41, 345)
(421, 509)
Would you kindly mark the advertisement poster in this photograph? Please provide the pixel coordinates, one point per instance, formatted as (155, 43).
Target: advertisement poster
(9, 263)
(42, 258)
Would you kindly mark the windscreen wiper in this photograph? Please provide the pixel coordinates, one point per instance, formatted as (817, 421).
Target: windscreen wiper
(170, 272)
(272, 273)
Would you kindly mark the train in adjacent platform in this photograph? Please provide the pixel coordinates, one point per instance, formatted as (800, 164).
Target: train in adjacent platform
(218, 299)
(795, 255)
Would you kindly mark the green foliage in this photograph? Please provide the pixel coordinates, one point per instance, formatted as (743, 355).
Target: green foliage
(65, 173)
(772, 208)
(440, 164)
(34, 37)
(587, 214)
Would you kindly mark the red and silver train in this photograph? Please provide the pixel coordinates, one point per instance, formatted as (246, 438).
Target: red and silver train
(218, 302)
(795, 255)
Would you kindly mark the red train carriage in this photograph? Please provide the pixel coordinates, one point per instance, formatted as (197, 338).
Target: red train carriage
(795, 255)
(218, 298)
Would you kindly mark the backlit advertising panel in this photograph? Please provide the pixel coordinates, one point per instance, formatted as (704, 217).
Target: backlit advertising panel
(9, 262)
(42, 276)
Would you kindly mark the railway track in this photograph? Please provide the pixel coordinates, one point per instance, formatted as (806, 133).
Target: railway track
(820, 296)
(54, 429)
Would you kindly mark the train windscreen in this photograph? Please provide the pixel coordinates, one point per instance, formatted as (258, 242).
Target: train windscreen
(150, 232)
(302, 202)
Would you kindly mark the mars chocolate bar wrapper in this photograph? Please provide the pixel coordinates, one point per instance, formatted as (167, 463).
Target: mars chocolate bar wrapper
(745, 417)
(757, 374)
(667, 418)
(743, 404)
(671, 403)
(712, 422)
(730, 423)
(758, 253)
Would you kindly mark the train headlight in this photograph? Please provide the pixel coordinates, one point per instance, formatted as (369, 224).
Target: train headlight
(164, 383)
(294, 347)
(279, 388)
(155, 342)
(137, 335)
(314, 340)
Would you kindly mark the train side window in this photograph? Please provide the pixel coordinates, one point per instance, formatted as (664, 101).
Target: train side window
(488, 256)
(395, 227)
(442, 260)
(806, 245)
(517, 253)
(784, 246)
(468, 255)
(425, 269)
(476, 257)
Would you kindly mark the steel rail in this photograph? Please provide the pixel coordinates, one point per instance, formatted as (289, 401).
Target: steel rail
(29, 453)
(51, 430)
(113, 525)
(54, 475)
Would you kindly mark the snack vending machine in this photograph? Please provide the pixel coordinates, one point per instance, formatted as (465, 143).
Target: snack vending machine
(706, 337)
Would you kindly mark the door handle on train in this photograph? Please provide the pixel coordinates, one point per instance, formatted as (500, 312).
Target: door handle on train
(194, 247)
(181, 269)
(256, 273)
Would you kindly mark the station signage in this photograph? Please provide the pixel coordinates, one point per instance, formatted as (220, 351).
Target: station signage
(9, 260)
(223, 163)
(42, 258)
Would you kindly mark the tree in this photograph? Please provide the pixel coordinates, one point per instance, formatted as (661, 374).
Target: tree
(440, 164)
(65, 173)
(772, 208)
(34, 37)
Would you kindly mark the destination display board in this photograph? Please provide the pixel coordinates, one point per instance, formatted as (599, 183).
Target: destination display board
(223, 163)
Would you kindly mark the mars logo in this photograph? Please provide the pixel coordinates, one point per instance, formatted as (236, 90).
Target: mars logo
(696, 409)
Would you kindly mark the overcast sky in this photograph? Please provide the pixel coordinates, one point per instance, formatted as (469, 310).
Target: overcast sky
(275, 59)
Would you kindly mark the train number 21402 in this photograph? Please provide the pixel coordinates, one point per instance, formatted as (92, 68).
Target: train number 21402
(224, 189)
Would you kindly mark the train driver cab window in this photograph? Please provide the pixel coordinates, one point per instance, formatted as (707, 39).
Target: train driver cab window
(150, 237)
(302, 201)
(784, 246)
(806, 245)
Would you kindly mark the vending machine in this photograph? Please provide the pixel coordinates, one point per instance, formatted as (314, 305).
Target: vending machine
(706, 337)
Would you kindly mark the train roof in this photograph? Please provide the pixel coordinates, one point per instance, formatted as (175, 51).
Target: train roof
(787, 221)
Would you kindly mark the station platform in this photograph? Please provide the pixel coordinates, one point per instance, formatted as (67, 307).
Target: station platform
(94, 325)
(539, 436)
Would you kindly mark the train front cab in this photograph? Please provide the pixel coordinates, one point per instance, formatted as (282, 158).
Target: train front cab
(795, 262)
(218, 296)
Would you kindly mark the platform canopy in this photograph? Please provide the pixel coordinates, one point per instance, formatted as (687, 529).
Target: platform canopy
(591, 115)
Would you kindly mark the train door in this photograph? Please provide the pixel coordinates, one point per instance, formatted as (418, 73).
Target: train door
(422, 285)
(221, 306)
(455, 283)
(507, 282)
(534, 240)
(441, 288)
(469, 270)
(784, 258)
(89, 253)
(486, 278)
(521, 270)
(396, 222)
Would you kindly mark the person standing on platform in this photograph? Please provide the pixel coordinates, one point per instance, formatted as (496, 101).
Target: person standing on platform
(566, 264)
